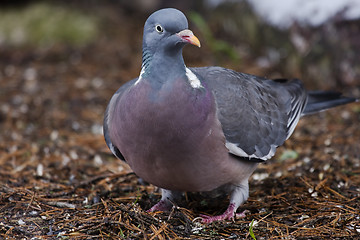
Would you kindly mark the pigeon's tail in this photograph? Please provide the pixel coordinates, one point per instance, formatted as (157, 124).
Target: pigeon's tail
(322, 100)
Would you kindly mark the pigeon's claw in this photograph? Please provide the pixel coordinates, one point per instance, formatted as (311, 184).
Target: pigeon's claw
(229, 214)
(161, 206)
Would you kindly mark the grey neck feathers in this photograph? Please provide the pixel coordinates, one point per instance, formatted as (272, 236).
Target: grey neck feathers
(160, 67)
(146, 59)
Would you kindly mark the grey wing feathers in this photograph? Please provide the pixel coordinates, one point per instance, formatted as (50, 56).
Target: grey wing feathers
(298, 101)
(107, 117)
(257, 114)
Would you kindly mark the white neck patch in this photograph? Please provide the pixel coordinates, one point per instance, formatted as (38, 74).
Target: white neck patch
(194, 81)
(140, 76)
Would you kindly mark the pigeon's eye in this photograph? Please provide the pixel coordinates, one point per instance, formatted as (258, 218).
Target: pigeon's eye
(159, 28)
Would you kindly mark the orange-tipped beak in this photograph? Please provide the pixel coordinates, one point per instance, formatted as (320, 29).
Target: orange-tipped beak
(189, 37)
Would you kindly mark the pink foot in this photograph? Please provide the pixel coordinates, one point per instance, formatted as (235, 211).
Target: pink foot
(227, 215)
(161, 206)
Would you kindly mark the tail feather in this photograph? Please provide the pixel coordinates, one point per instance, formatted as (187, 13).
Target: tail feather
(322, 100)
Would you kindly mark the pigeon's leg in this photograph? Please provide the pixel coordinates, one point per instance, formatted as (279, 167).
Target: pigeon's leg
(166, 202)
(238, 196)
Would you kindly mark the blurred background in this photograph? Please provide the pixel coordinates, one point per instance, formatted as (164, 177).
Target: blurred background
(61, 61)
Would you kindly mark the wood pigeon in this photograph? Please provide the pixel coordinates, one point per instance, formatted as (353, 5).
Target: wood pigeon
(201, 129)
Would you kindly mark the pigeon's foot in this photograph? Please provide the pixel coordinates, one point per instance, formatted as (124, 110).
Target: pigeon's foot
(168, 197)
(227, 215)
(161, 206)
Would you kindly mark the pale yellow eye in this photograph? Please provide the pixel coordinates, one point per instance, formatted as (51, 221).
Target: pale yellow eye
(159, 28)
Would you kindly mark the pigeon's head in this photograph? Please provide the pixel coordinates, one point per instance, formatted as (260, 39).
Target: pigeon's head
(167, 30)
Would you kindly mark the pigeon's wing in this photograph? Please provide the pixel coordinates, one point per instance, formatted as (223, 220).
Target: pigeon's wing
(107, 118)
(257, 114)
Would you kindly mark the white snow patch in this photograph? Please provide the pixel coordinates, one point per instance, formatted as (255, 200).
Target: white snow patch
(283, 13)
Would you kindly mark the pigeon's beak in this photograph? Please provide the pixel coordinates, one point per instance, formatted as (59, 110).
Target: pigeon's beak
(188, 36)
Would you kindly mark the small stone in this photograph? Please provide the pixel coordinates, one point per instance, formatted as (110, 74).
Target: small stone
(54, 135)
(314, 194)
(21, 222)
(327, 142)
(326, 167)
(73, 155)
(97, 160)
(40, 170)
